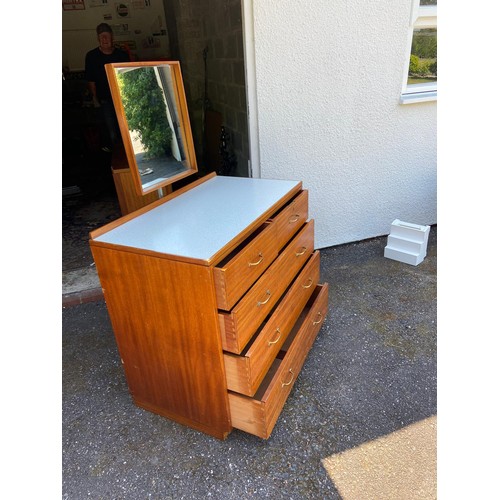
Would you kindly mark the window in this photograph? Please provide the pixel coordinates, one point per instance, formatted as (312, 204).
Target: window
(421, 76)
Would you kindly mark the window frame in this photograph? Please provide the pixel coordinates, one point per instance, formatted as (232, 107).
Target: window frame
(422, 17)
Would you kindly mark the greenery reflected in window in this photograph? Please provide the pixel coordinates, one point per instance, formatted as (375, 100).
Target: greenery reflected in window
(423, 58)
(144, 107)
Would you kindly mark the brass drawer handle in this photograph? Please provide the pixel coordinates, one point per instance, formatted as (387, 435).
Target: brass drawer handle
(268, 293)
(283, 384)
(271, 342)
(310, 282)
(302, 252)
(250, 264)
(293, 218)
(319, 320)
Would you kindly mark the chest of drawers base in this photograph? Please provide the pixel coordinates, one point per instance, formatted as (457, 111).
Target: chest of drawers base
(169, 312)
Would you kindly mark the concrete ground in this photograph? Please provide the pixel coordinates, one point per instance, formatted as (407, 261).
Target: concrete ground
(360, 422)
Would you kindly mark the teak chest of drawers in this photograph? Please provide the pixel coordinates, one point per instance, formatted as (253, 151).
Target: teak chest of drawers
(214, 297)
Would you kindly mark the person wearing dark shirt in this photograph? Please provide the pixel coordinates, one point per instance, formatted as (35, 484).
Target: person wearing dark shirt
(97, 80)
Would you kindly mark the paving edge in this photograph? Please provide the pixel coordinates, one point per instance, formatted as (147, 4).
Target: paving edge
(82, 297)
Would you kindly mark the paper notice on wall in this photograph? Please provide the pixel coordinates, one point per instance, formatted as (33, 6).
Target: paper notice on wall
(122, 10)
(127, 45)
(121, 29)
(73, 5)
(98, 3)
(156, 27)
(141, 4)
(151, 42)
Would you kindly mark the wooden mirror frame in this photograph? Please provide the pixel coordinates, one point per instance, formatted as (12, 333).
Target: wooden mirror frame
(184, 127)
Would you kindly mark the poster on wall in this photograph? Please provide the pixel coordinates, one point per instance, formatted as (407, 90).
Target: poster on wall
(98, 3)
(141, 4)
(73, 4)
(156, 27)
(121, 29)
(151, 42)
(127, 45)
(122, 10)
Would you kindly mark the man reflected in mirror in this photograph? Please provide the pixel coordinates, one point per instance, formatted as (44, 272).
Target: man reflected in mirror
(98, 85)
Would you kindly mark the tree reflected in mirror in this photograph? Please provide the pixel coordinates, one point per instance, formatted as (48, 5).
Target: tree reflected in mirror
(144, 105)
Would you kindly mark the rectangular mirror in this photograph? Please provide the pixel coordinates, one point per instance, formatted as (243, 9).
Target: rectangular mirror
(151, 108)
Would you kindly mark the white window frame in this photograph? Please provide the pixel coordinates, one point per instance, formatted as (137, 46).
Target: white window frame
(424, 16)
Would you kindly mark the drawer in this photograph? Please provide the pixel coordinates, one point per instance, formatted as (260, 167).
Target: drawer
(238, 326)
(291, 218)
(259, 414)
(239, 271)
(245, 372)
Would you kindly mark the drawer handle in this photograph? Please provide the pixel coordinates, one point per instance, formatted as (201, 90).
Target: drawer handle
(309, 283)
(271, 342)
(302, 252)
(293, 218)
(319, 320)
(283, 384)
(250, 264)
(259, 303)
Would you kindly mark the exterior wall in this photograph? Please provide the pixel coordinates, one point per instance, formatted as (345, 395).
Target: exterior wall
(327, 82)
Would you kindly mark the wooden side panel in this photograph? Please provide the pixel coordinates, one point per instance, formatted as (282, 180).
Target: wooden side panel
(128, 199)
(163, 316)
(238, 373)
(248, 415)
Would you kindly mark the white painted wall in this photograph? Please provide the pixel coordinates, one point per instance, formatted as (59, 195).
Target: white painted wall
(324, 85)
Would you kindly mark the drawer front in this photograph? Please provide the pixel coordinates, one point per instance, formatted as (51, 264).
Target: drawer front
(238, 326)
(259, 414)
(289, 220)
(235, 275)
(245, 373)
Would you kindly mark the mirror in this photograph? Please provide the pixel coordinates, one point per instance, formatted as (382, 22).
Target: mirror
(151, 108)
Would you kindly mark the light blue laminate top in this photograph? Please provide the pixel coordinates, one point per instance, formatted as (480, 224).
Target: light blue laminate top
(198, 223)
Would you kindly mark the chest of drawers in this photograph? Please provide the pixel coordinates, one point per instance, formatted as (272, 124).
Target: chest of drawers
(214, 298)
